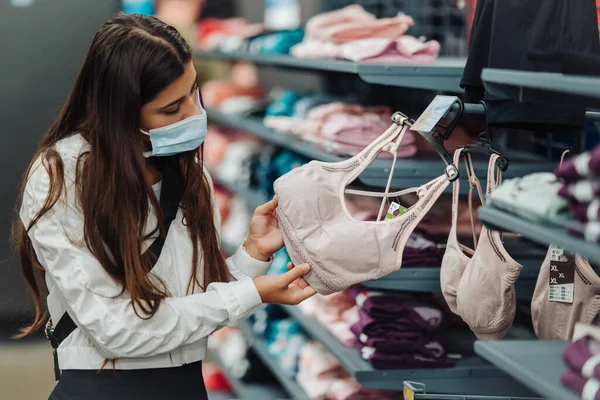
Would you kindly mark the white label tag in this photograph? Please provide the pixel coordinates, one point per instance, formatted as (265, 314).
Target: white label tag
(556, 254)
(561, 284)
(434, 112)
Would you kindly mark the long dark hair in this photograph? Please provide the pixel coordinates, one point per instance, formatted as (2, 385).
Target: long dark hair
(131, 59)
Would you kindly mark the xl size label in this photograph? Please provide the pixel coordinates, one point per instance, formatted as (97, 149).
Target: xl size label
(562, 276)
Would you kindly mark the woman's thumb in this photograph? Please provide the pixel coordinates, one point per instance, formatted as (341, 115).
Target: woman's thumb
(296, 272)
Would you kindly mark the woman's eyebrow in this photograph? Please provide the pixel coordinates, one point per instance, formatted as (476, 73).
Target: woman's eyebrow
(181, 98)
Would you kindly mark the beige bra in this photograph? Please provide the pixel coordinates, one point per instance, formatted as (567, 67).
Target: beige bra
(554, 320)
(318, 229)
(480, 289)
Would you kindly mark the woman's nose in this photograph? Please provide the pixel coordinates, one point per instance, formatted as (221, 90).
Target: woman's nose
(191, 109)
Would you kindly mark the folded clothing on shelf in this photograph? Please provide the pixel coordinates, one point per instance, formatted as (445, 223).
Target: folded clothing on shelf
(587, 388)
(582, 358)
(430, 355)
(216, 93)
(395, 330)
(586, 212)
(581, 189)
(344, 126)
(322, 377)
(275, 42)
(283, 337)
(585, 165)
(534, 197)
(353, 34)
(211, 31)
(403, 50)
(589, 231)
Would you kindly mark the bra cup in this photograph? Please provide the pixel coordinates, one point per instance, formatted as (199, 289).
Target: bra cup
(451, 272)
(366, 259)
(556, 320)
(486, 298)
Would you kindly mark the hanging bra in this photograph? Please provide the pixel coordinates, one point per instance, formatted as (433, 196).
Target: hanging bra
(455, 260)
(554, 320)
(318, 229)
(485, 297)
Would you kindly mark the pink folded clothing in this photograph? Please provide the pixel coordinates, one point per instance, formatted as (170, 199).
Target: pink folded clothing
(301, 127)
(324, 111)
(314, 49)
(326, 20)
(349, 389)
(388, 28)
(403, 50)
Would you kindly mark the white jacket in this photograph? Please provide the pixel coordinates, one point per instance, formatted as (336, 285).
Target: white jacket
(108, 325)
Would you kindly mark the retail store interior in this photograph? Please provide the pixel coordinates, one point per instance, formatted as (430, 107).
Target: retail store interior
(435, 162)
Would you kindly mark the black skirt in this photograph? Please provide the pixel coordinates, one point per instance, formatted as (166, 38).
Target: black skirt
(181, 383)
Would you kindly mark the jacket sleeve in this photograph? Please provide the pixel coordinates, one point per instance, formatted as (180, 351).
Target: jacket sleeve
(240, 264)
(94, 300)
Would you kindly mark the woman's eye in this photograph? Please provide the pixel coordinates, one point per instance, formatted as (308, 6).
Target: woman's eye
(172, 112)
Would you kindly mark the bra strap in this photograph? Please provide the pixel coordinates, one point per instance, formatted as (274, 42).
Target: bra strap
(392, 148)
(494, 178)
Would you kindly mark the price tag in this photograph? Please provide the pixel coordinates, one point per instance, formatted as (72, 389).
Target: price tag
(562, 276)
(434, 112)
(395, 210)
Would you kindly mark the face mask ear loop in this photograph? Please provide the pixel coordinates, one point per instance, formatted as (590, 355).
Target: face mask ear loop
(394, 150)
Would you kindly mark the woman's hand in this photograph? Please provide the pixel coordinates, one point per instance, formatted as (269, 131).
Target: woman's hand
(265, 237)
(289, 288)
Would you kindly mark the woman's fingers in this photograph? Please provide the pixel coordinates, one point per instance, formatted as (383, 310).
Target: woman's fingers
(300, 295)
(267, 208)
(295, 273)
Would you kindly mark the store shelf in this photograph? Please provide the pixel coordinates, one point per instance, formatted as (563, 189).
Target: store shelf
(538, 233)
(444, 75)
(409, 172)
(289, 384)
(535, 363)
(570, 84)
(497, 80)
(471, 375)
(248, 391)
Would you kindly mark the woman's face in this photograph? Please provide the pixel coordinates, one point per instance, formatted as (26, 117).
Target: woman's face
(174, 103)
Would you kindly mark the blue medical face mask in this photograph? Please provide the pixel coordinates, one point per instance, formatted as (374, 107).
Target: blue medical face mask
(182, 136)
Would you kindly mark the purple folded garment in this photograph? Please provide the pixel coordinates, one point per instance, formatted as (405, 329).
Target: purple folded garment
(583, 191)
(585, 212)
(582, 166)
(578, 384)
(436, 358)
(589, 231)
(409, 321)
(582, 356)
(386, 309)
(407, 344)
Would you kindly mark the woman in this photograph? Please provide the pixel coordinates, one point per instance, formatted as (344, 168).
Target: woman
(142, 293)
